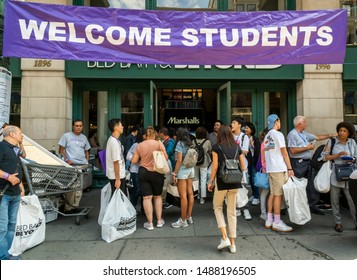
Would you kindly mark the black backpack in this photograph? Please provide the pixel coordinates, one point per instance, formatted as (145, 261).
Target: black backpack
(200, 152)
(314, 162)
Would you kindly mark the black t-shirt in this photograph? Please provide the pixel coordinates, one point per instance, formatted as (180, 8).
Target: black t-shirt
(229, 153)
(10, 163)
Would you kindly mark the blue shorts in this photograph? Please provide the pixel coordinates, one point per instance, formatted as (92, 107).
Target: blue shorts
(185, 172)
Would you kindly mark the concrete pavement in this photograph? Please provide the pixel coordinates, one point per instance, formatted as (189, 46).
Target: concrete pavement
(317, 240)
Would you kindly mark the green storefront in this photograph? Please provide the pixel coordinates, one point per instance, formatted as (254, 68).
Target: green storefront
(176, 95)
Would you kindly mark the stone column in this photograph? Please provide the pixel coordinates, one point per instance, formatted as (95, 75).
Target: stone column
(46, 101)
(320, 94)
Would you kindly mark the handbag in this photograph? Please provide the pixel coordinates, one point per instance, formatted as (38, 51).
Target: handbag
(119, 219)
(160, 163)
(30, 226)
(261, 180)
(343, 171)
(229, 171)
(322, 179)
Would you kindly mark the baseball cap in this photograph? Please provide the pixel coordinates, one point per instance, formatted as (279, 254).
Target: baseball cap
(271, 120)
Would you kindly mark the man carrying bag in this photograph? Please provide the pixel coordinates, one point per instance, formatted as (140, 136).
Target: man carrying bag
(300, 146)
(10, 188)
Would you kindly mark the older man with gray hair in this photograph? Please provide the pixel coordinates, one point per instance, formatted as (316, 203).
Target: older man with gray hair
(10, 188)
(301, 145)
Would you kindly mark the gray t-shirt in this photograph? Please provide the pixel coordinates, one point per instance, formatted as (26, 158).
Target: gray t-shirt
(75, 146)
(299, 140)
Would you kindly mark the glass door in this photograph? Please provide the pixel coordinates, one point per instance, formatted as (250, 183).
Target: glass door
(224, 103)
(276, 102)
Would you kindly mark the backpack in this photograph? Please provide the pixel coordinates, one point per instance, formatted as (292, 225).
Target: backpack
(230, 171)
(200, 152)
(190, 158)
(315, 162)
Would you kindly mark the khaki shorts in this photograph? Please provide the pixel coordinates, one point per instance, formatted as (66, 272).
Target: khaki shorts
(276, 181)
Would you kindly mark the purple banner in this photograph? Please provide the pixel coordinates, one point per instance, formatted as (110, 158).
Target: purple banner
(46, 31)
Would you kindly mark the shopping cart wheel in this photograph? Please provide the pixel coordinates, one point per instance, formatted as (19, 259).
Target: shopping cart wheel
(78, 220)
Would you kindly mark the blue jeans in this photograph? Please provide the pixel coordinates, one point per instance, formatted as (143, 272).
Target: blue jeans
(9, 207)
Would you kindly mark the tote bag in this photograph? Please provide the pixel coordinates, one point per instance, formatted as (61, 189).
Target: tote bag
(261, 180)
(160, 163)
(105, 195)
(30, 226)
(296, 200)
(119, 219)
(322, 179)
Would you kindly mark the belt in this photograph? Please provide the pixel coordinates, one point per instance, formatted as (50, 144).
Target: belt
(301, 159)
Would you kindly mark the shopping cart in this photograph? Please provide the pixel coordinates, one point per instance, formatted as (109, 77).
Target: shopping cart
(50, 182)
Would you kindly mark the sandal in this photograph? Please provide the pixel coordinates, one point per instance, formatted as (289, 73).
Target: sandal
(338, 228)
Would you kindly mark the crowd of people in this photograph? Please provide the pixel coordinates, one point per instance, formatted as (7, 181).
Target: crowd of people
(270, 152)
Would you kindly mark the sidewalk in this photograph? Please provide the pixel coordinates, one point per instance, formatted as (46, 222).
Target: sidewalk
(317, 240)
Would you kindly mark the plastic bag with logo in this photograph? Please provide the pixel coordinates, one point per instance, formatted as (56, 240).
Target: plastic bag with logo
(30, 226)
(296, 200)
(119, 219)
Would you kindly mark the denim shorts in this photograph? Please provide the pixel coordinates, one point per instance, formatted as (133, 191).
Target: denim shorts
(185, 172)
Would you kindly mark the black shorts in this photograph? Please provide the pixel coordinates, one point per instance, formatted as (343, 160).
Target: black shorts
(150, 182)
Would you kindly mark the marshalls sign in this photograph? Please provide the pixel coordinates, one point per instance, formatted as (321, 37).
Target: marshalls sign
(34, 30)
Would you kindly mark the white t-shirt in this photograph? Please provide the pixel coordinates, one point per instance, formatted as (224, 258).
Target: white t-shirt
(243, 141)
(114, 152)
(273, 142)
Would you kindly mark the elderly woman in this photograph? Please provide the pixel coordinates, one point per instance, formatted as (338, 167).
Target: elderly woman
(343, 151)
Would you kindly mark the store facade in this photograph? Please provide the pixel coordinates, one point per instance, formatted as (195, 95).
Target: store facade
(52, 93)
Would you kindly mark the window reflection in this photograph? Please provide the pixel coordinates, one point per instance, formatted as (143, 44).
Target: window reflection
(132, 109)
(186, 4)
(351, 7)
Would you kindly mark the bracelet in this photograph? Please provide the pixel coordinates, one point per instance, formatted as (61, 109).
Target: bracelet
(6, 176)
(173, 173)
(289, 169)
(210, 181)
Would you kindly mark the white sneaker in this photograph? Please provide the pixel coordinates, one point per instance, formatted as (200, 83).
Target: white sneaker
(251, 198)
(247, 215)
(264, 216)
(268, 224)
(224, 244)
(255, 201)
(281, 226)
(202, 200)
(148, 226)
(232, 249)
(238, 212)
(160, 223)
(179, 224)
(189, 220)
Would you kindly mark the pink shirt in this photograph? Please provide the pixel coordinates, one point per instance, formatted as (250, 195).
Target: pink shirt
(145, 149)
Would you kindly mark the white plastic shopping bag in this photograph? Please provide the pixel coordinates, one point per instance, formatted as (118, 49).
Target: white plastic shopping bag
(119, 219)
(242, 197)
(105, 195)
(296, 200)
(322, 179)
(30, 226)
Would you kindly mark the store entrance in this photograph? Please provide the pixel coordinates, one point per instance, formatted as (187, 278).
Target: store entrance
(189, 107)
